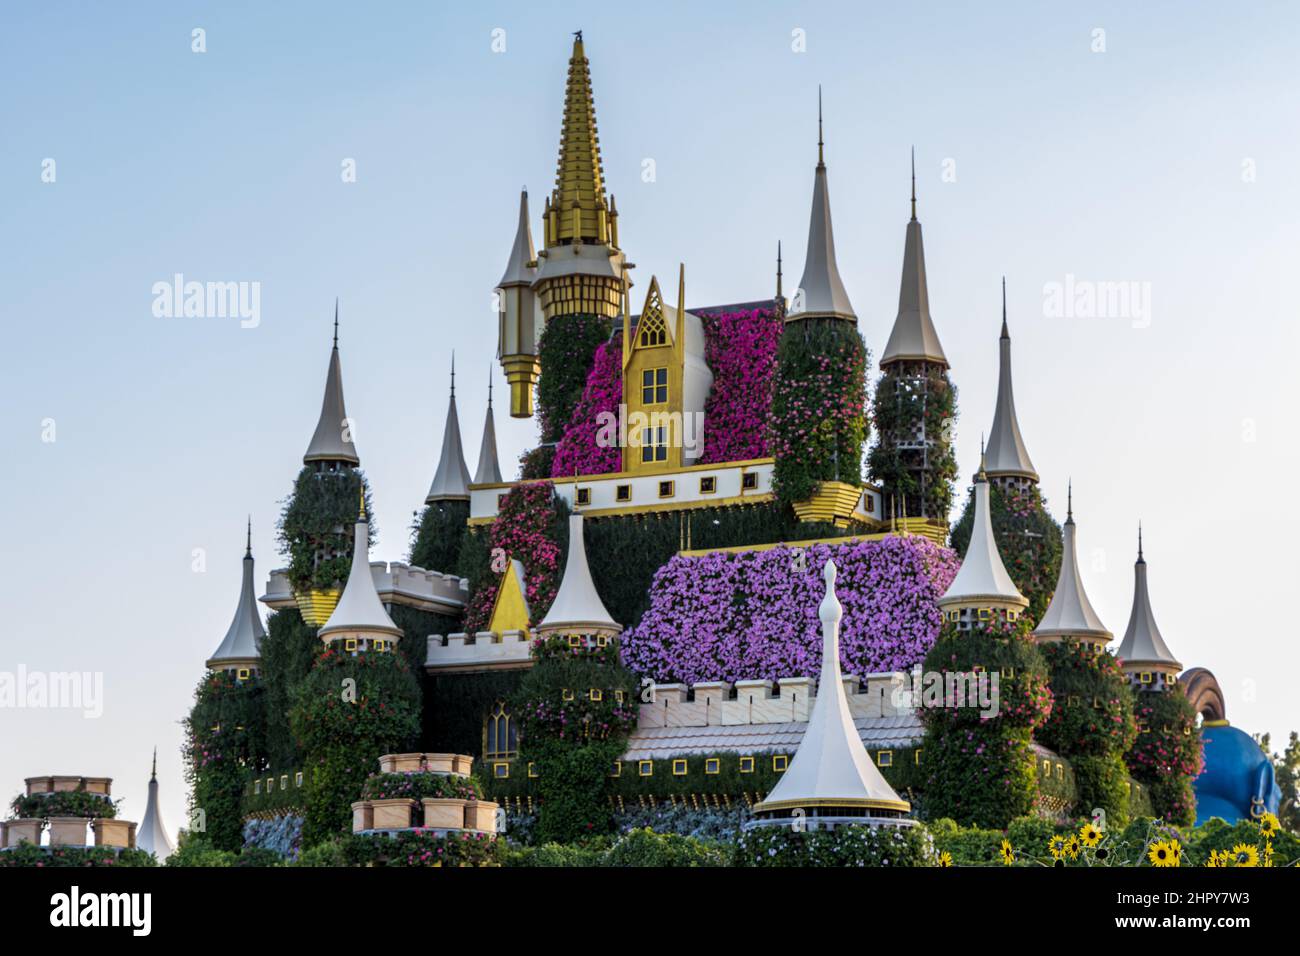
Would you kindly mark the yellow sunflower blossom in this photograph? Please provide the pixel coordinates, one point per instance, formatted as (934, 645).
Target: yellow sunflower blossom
(1089, 834)
(1245, 854)
(1056, 846)
(1163, 853)
(945, 858)
(1218, 859)
(1008, 854)
(1073, 846)
(1269, 825)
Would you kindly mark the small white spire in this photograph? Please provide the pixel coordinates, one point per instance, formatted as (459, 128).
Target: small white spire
(243, 641)
(1007, 455)
(831, 769)
(821, 288)
(1071, 613)
(332, 440)
(451, 479)
(520, 267)
(577, 606)
(1143, 644)
(359, 611)
(151, 836)
(982, 579)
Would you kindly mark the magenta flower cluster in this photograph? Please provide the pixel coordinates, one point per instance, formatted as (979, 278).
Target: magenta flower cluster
(753, 615)
(740, 348)
(578, 452)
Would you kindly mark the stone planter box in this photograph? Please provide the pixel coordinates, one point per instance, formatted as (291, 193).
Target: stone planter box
(103, 785)
(39, 785)
(401, 763)
(363, 816)
(68, 831)
(65, 784)
(119, 833)
(461, 764)
(23, 831)
(394, 814)
(441, 763)
(481, 815)
(444, 813)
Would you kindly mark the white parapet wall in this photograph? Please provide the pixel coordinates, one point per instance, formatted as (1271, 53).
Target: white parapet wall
(484, 650)
(396, 582)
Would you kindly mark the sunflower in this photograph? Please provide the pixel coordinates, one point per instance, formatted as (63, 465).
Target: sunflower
(1073, 846)
(945, 858)
(1056, 846)
(1090, 834)
(1008, 854)
(1218, 859)
(1163, 853)
(1269, 825)
(1245, 854)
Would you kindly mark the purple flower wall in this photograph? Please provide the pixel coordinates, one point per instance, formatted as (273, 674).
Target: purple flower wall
(750, 615)
(577, 452)
(740, 348)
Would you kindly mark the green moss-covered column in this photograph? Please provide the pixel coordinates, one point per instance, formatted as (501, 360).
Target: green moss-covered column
(316, 526)
(819, 420)
(438, 536)
(565, 351)
(915, 411)
(226, 736)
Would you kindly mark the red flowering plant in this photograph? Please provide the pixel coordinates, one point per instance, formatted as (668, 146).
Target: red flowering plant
(577, 692)
(531, 526)
(740, 348)
(578, 451)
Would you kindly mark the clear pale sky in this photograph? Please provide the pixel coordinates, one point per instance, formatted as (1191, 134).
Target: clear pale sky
(1120, 165)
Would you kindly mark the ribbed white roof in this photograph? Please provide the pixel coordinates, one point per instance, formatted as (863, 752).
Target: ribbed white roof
(821, 287)
(327, 442)
(577, 604)
(243, 640)
(151, 836)
(1071, 613)
(451, 480)
(1143, 642)
(518, 268)
(1006, 452)
(831, 763)
(982, 574)
(489, 470)
(359, 609)
(913, 336)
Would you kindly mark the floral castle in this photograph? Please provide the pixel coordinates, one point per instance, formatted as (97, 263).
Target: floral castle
(701, 621)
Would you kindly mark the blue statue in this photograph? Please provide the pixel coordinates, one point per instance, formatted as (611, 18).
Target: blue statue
(1237, 782)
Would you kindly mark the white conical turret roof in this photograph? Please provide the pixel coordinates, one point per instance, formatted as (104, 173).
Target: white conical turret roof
(1142, 642)
(913, 337)
(152, 834)
(821, 290)
(577, 606)
(521, 268)
(243, 641)
(1071, 613)
(332, 440)
(982, 577)
(489, 470)
(359, 610)
(831, 766)
(1006, 453)
(451, 480)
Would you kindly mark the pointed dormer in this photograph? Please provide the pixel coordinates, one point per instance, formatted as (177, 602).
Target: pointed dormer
(577, 610)
(580, 270)
(152, 834)
(331, 444)
(831, 779)
(821, 291)
(451, 479)
(240, 651)
(1143, 654)
(520, 318)
(1008, 459)
(360, 622)
(489, 471)
(913, 338)
(1070, 616)
(982, 588)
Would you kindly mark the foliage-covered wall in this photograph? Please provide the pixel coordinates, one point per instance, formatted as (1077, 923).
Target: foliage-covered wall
(437, 536)
(753, 614)
(1029, 542)
(578, 451)
(912, 403)
(1168, 753)
(565, 350)
(316, 526)
(456, 706)
(288, 652)
(225, 743)
(819, 415)
(740, 348)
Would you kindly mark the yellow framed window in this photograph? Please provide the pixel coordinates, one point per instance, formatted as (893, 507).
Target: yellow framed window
(645, 768)
(566, 694)
(532, 770)
(679, 767)
(884, 758)
(623, 493)
(501, 770)
(667, 489)
(708, 485)
(746, 764)
(617, 769)
(712, 765)
(654, 386)
(749, 481)
(350, 644)
(595, 694)
(780, 762)
(502, 734)
(1145, 677)
(654, 444)
(584, 496)
(242, 674)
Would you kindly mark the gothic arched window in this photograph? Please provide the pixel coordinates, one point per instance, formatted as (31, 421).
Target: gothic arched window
(502, 735)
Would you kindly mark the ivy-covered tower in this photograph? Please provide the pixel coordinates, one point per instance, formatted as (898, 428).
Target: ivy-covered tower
(819, 422)
(916, 403)
(240, 651)
(581, 269)
(1167, 754)
(441, 528)
(1030, 538)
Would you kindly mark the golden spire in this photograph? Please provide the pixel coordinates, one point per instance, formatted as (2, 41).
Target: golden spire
(578, 211)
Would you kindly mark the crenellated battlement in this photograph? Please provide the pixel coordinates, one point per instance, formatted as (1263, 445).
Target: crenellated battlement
(482, 650)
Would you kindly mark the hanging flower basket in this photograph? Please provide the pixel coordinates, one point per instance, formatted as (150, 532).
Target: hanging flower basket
(317, 604)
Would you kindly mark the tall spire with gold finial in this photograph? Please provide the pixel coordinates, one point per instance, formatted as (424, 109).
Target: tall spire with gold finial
(580, 268)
